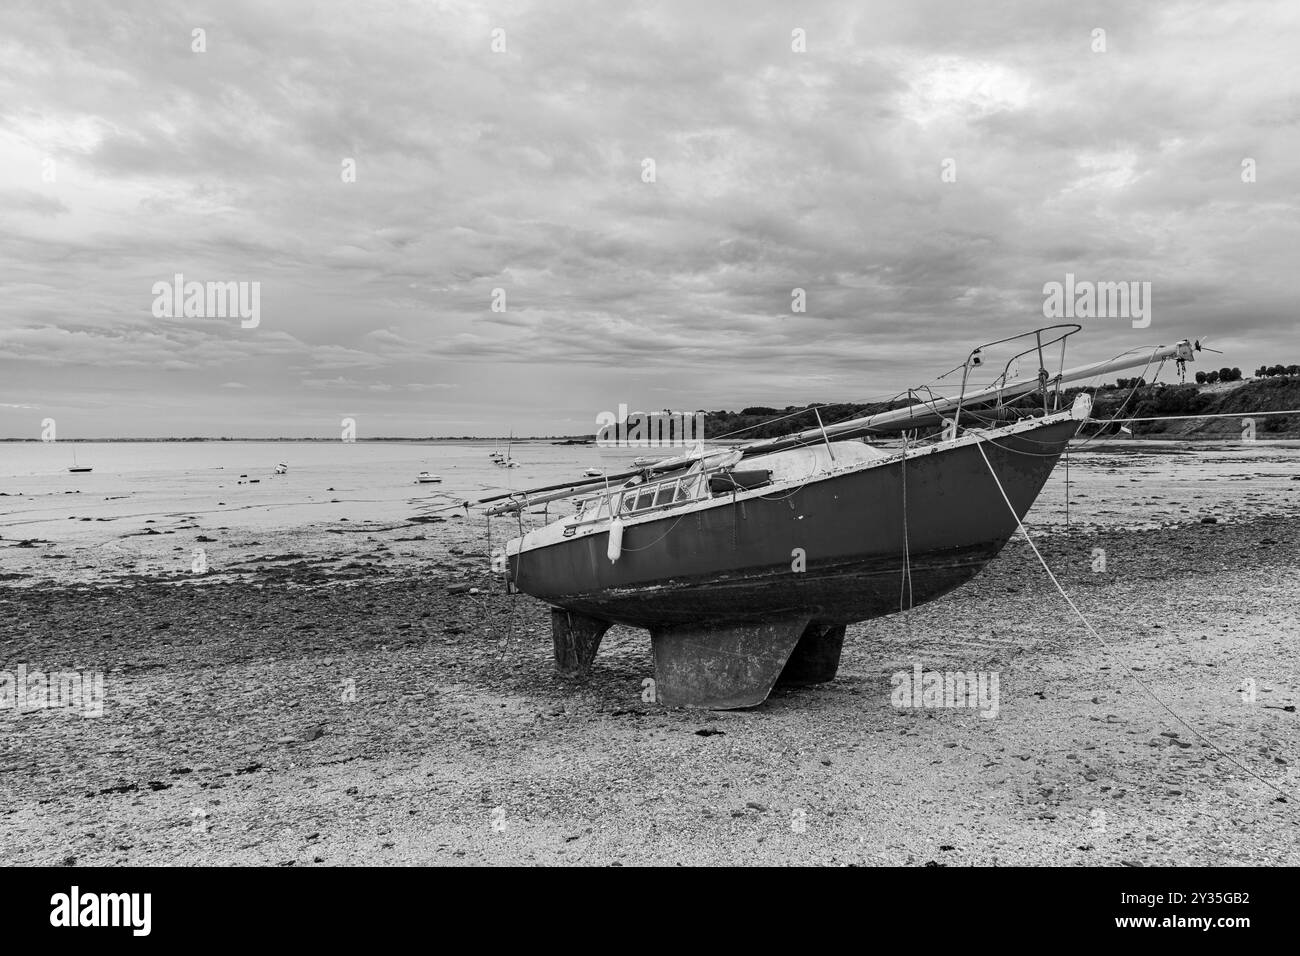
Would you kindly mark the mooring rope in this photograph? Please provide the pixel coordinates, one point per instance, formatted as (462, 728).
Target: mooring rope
(1091, 630)
(519, 566)
(1067, 485)
(906, 582)
(487, 526)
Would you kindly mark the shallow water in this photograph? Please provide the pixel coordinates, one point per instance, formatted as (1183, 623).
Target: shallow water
(111, 521)
(375, 480)
(1146, 484)
(224, 497)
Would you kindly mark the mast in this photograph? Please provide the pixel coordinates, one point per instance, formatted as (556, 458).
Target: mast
(937, 406)
(1183, 349)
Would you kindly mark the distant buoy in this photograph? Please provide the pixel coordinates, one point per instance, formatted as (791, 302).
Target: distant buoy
(615, 540)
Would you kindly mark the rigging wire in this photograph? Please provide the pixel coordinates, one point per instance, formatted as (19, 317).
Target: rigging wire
(1093, 631)
(906, 582)
(1176, 418)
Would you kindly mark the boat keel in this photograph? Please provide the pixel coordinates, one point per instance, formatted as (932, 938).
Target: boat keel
(816, 657)
(722, 667)
(577, 638)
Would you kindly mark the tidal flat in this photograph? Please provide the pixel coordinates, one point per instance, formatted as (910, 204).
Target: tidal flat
(373, 696)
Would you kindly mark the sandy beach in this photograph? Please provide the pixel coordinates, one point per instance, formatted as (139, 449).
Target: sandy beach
(383, 701)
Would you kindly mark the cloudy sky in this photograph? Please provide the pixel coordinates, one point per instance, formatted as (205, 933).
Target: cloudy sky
(127, 156)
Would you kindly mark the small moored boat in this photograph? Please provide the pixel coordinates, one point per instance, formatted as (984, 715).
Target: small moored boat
(507, 461)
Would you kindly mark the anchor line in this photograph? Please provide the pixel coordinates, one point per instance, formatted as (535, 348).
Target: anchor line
(487, 529)
(519, 518)
(514, 591)
(735, 521)
(1093, 631)
(906, 581)
(1067, 485)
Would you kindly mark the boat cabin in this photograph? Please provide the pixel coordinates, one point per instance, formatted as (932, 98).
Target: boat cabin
(706, 479)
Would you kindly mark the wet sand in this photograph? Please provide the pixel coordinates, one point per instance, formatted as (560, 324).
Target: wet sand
(312, 713)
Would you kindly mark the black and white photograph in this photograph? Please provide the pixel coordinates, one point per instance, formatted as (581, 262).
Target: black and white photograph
(667, 434)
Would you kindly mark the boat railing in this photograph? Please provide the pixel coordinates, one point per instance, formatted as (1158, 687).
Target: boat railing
(643, 497)
(1044, 338)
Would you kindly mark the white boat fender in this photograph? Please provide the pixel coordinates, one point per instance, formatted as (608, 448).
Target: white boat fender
(615, 540)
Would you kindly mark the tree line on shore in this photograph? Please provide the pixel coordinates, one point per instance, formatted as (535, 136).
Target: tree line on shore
(1272, 371)
(1222, 375)
(1129, 397)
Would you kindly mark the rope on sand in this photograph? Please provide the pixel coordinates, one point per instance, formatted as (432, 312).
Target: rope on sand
(1091, 630)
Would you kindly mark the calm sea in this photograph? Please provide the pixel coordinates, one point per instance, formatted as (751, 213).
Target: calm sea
(376, 480)
(465, 467)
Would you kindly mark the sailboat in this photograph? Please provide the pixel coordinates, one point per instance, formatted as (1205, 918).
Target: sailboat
(507, 461)
(747, 563)
(75, 467)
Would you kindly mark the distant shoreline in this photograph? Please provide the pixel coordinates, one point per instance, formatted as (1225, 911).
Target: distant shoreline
(1182, 412)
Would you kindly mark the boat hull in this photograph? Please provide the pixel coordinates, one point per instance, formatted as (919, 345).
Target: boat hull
(834, 550)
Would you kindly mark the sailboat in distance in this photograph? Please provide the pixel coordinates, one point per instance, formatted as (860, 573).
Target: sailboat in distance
(75, 467)
(507, 461)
